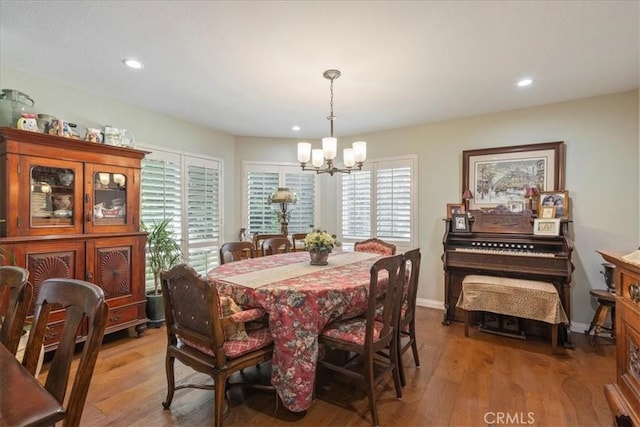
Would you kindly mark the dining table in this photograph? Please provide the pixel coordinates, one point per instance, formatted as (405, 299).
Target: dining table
(300, 299)
(23, 400)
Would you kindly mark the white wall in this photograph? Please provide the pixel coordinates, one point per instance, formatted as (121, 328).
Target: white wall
(601, 136)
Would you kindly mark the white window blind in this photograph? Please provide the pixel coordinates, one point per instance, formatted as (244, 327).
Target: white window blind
(356, 205)
(186, 189)
(261, 218)
(393, 202)
(379, 202)
(160, 197)
(203, 214)
(302, 216)
(261, 179)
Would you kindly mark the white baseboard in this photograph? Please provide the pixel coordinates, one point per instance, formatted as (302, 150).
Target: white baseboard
(439, 305)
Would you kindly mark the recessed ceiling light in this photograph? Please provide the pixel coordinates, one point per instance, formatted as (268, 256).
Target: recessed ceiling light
(525, 82)
(295, 128)
(132, 63)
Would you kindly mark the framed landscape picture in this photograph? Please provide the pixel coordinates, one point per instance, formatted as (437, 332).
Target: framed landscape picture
(500, 176)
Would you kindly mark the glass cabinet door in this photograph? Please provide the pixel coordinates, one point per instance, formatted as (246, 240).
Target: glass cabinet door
(110, 195)
(54, 201)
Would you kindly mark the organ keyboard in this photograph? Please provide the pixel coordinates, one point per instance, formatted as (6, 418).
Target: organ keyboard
(504, 245)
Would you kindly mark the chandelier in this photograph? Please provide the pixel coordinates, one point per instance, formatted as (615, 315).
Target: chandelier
(353, 157)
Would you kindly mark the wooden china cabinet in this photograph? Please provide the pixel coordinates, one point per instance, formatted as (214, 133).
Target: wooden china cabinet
(624, 396)
(71, 209)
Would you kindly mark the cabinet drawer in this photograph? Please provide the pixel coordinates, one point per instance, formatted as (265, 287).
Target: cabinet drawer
(630, 289)
(122, 315)
(53, 334)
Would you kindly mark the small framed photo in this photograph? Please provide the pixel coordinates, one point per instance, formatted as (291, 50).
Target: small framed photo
(454, 208)
(546, 227)
(460, 223)
(557, 199)
(516, 206)
(547, 212)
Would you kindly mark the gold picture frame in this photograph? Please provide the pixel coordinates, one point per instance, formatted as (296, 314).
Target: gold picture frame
(547, 212)
(557, 199)
(454, 208)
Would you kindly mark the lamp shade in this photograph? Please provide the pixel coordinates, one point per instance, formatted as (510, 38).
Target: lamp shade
(283, 195)
(466, 195)
(530, 192)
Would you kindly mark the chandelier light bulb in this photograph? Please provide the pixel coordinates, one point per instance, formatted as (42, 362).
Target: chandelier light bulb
(359, 151)
(317, 157)
(348, 157)
(329, 147)
(304, 152)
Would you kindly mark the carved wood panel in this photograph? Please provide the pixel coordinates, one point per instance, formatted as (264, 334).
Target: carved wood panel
(113, 271)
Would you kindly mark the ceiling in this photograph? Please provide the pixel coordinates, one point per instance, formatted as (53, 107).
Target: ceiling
(254, 68)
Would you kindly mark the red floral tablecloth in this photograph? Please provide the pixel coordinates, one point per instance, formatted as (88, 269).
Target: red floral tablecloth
(300, 299)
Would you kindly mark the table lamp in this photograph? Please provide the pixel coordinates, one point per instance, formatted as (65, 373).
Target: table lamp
(530, 193)
(466, 196)
(282, 201)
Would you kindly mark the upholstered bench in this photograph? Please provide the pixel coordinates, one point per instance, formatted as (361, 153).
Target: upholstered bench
(513, 297)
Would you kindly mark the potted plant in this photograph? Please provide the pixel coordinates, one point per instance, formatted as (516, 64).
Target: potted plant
(163, 253)
(319, 244)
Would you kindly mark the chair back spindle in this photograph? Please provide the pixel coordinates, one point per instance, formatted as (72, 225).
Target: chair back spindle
(80, 300)
(15, 300)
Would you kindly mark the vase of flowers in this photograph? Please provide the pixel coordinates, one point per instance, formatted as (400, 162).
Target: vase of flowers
(319, 244)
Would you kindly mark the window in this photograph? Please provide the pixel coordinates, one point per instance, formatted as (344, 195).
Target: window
(379, 201)
(260, 180)
(185, 188)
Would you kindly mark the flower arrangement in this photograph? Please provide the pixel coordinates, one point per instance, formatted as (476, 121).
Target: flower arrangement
(319, 241)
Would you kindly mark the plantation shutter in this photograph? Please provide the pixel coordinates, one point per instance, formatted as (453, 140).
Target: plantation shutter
(160, 191)
(302, 217)
(393, 202)
(380, 203)
(356, 205)
(262, 179)
(186, 189)
(261, 218)
(203, 214)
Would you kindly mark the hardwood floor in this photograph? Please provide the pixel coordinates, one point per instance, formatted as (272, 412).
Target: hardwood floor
(481, 380)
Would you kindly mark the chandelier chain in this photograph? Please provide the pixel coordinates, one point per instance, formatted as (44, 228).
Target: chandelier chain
(331, 116)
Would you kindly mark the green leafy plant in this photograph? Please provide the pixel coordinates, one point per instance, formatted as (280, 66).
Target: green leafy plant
(319, 241)
(163, 249)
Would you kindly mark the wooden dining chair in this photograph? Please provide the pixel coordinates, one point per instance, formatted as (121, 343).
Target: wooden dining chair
(365, 337)
(407, 322)
(235, 251)
(259, 238)
(276, 245)
(197, 336)
(83, 304)
(375, 246)
(15, 300)
(297, 242)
